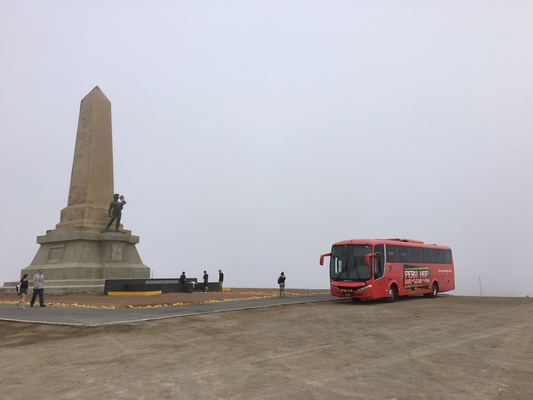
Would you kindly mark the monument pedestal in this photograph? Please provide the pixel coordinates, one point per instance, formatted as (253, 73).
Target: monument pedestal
(88, 255)
(80, 262)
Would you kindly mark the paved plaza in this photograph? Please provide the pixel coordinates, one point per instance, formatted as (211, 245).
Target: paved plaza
(83, 316)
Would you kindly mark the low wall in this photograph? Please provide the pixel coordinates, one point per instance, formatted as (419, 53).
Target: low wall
(153, 285)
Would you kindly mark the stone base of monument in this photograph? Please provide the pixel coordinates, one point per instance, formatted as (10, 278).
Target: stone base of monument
(80, 262)
(95, 286)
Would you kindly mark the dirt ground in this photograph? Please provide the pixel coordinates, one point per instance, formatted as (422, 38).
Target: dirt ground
(450, 347)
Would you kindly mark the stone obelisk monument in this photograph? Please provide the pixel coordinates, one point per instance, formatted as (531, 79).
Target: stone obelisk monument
(79, 254)
(91, 182)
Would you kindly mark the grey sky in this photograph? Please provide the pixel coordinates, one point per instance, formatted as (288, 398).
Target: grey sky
(250, 136)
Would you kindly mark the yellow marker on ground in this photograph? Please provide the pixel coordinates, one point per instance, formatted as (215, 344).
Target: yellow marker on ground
(134, 293)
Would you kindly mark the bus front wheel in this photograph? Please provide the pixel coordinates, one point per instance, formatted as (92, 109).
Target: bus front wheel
(393, 294)
(434, 290)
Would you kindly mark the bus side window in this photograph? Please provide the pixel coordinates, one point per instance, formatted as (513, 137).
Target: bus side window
(392, 254)
(439, 256)
(379, 261)
(416, 255)
(405, 254)
(428, 256)
(447, 256)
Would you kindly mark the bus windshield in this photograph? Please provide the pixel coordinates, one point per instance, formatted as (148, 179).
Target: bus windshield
(347, 263)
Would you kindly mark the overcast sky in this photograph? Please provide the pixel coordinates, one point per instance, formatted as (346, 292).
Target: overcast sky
(252, 135)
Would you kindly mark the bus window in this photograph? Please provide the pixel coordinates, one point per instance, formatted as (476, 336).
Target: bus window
(447, 256)
(379, 261)
(428, 256)
(392, 254)
(439, 256)
(357, 269)
(405, 254)
(416, 255)
(338, 263)
(348, 263)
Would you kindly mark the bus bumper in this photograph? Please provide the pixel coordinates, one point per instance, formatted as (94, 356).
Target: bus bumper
(358, 292)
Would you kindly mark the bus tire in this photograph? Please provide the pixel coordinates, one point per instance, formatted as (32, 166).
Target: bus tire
(356, 299)
(434, 290)
(393, 294)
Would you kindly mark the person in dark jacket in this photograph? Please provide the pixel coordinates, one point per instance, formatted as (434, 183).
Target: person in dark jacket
(220, 278)
(206, 278)
(281, 281)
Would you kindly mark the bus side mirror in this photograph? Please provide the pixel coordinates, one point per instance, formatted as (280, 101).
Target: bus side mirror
(322, 258)
(367, 258)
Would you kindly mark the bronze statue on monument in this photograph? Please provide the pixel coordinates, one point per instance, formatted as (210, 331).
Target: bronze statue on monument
(115, 211)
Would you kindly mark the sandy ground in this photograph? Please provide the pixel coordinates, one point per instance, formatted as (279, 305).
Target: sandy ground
(417, 348)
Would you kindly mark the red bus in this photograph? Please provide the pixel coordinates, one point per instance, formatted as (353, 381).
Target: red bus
(389, 268)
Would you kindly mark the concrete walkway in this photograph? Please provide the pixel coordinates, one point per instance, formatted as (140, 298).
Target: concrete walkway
(90, 317)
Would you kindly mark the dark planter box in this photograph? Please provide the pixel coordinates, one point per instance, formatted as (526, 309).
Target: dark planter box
(152, 285)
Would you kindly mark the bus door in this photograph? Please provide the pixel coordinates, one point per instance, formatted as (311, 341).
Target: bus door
(379, 269)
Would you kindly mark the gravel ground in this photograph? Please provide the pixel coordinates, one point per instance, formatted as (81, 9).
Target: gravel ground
(450, 347)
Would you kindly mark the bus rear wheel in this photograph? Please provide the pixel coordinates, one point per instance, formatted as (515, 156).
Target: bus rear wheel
(434, 290)
(393, 294)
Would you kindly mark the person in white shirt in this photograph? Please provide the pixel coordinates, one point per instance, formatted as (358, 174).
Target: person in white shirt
(38, 280)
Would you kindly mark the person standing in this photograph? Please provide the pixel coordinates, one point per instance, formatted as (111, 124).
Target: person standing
(183, 279)
(206, 278)
(281, 281)
(38, 289)
(23, 289)
(220, 278)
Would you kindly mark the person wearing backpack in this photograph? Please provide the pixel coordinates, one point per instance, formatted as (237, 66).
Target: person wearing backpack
(22, 289)
(281, 281)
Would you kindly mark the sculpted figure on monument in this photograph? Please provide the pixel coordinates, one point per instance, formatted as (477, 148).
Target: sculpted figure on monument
(115, 211)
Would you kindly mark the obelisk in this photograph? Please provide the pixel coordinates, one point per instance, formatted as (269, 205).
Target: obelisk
(78, 255)
(91, 182)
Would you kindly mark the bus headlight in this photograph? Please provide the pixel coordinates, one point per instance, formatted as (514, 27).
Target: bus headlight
(363, 288)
